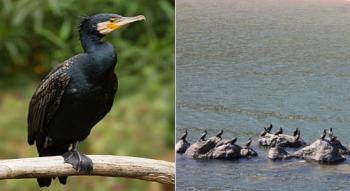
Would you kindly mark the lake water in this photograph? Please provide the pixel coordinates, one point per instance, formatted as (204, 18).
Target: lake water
(242, 64)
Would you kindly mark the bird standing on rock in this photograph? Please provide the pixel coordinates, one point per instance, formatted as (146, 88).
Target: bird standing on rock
(76, 95)
(219, 134)
(280, 131)
(183, 137)
(295, 133)
(330, 133)
(323, 134)
(202, 138)
(233, 141)
(249, 142)
(268, 128)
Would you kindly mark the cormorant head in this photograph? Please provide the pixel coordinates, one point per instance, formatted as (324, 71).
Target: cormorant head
(102, 24)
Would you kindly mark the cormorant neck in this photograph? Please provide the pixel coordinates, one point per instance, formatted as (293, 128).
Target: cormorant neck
(89, 41)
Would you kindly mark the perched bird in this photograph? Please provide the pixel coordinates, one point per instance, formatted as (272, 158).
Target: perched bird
(323, 135)
(233, 141)
(269, 128)
(183, 137)
(202, 138)
(280, 131)
(219, 133)
(249, 142)
(76, 95)
(296, 132)
(263, 133)
(330, 132)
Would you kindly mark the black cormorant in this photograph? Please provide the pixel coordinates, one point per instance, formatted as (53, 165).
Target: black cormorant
(183, 137)
(295, 133)
(76, 95)
(263, 133)
(280, 131)
(269, 128)
(233, 141)
(219, 134)
(330, 132)
(249, 142)
(323, 134)
(202, 138)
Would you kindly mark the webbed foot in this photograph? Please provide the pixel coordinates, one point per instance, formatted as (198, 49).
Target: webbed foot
(79, 161)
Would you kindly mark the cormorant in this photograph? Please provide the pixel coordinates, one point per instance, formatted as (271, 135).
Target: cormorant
(330, 132)
(233, 141)
(249, 142)
(183, 137)
(296, 132)
(323, 134)
(280, 131)
(263, 133)
(269, 128)
(202, 138)
(219, 133)
(76, 95)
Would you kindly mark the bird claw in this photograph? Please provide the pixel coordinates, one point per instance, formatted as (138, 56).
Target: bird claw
(80, 162)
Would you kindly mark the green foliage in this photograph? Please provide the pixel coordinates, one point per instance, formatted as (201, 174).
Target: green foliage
(36, 35)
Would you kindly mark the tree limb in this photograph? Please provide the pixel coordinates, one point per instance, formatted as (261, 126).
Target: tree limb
(104, 165)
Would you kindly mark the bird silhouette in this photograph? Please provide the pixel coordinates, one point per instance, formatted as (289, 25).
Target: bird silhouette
(202, 138)
(280, 131)
(249, 142)
(183, 137)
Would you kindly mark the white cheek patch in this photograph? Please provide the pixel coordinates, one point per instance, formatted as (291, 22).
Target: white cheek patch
(103, 28)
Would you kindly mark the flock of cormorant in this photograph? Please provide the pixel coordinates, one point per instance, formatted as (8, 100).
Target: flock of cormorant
(324, 150)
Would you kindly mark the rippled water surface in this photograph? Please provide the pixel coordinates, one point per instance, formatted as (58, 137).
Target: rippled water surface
(244, 63)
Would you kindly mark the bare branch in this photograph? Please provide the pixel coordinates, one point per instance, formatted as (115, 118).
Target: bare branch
(104, 165)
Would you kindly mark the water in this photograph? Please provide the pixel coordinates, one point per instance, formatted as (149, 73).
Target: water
(242, 64)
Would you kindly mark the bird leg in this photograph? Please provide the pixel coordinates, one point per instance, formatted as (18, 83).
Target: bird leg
(79, 161)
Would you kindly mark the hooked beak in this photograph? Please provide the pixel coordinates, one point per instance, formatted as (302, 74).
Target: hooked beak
(127, 20)
(109, 26)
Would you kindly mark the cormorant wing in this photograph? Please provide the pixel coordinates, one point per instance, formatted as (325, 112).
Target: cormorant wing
(46, 100)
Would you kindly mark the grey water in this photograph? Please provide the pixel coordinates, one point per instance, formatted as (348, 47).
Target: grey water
(242, 64)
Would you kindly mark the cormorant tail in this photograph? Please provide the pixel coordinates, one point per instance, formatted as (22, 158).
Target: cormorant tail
(63, 179)
(44, 182)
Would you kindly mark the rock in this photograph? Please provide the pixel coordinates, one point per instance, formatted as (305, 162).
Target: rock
(181, 146)
(226, 151)
(322, 151)
(202, 149)
(278, 153)
(283, 140)
(342, 149)
(248, 152)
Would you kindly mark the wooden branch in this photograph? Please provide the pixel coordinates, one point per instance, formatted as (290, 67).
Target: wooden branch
(104, 165)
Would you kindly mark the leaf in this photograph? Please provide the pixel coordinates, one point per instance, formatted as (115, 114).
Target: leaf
(65, 29)
(13, 52)
(52, 37)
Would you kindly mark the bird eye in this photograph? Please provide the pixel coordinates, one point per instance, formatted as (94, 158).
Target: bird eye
(112, 20)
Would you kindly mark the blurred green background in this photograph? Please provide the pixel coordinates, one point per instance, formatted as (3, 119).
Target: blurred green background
(37, 35)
